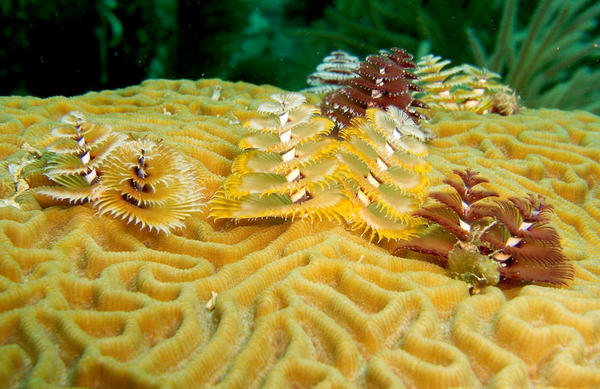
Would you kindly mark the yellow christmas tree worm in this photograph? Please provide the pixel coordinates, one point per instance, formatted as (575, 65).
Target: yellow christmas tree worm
(463, 88)
(74, 158)
(386, 179)
(375, 180)
(150, 184)
(139, 181)
(287, 169)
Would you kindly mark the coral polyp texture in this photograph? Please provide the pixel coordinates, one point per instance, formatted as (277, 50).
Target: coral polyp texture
(463, 88)
(483, 241)
(381, 80)
(87, 300)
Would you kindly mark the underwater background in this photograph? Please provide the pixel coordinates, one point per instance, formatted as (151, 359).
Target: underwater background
(548, 51)
(175, 214)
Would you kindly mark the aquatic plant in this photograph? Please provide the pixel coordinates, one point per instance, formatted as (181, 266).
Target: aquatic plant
(382, 80)
(547, 61)
(482, 242)
(463, 88)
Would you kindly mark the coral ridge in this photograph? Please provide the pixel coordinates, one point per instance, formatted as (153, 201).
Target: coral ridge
(87, 300)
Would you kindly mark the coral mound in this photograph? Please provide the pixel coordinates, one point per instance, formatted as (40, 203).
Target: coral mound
(89, 301)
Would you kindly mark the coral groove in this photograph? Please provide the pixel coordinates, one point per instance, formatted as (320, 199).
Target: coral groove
(86, 300)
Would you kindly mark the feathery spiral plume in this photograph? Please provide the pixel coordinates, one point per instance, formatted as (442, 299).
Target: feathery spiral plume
(382, 80)
(386, 173)
(287, 169)
(463, 88)
(76, 156)
(333, 72)
(484, 242)
(150, 184)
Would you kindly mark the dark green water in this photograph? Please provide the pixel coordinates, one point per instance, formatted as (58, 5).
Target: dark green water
(548, 51)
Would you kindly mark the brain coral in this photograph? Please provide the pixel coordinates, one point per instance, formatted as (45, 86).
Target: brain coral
(89, 301)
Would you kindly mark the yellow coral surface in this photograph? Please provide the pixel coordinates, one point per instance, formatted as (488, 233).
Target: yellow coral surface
(89, 301)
